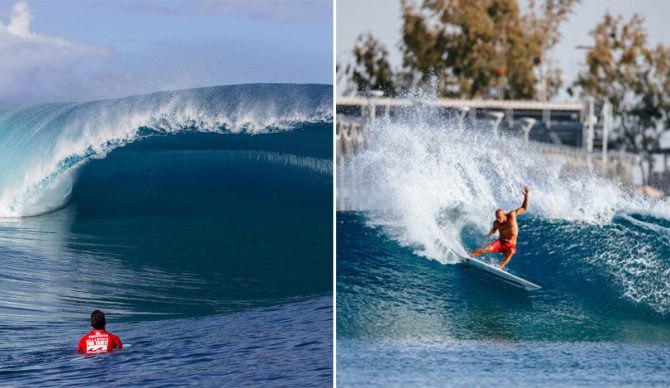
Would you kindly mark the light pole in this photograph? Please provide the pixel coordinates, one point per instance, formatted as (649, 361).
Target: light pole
(607, 123)
(526, 125)
(376, 94)
(497, 118)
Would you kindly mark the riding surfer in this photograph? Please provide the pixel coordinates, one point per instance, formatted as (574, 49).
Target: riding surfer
(508, 230)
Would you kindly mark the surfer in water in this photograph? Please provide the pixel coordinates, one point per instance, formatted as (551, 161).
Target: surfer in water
(98, 340)
(508, 229)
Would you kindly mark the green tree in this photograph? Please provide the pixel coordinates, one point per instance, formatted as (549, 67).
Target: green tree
(543, 19)
(474, 46)
(469, 48)
(424, 52)
(635, 79)
(371, 69)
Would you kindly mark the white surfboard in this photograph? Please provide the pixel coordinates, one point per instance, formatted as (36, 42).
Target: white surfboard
(500, 274)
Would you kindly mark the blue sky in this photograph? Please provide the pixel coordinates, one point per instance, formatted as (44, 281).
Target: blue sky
(81, 50)
(353, 19)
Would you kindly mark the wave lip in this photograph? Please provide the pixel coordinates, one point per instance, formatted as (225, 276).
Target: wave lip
(43, 144)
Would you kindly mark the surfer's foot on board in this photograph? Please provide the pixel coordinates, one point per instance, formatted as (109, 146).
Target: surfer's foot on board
(476, 252)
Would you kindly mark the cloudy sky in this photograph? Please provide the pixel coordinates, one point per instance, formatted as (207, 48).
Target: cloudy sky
(81, 50)
(353, 18)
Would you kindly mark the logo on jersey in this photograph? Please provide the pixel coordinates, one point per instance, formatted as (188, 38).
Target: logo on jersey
(97, 343)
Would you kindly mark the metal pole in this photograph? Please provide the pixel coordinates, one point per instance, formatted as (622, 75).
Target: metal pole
(497, 119)
(526, 125)
(590, 120)
(373, 111)
(461, 117)
(607, 122)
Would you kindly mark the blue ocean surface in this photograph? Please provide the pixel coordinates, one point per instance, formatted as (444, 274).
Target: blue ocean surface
(199, 221)
(421, 192)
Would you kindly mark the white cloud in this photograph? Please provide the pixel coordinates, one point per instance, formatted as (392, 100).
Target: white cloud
(34, 66)
(20, 22)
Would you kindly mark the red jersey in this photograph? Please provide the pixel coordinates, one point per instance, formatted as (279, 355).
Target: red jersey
(98, 341)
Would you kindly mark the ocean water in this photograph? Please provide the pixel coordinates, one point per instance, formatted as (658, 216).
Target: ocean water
(199, 221)
(409, 313)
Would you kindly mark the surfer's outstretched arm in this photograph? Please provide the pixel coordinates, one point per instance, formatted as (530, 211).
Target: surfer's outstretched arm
(524, 205)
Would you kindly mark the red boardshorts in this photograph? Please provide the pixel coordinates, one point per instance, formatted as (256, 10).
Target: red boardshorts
(502, 246)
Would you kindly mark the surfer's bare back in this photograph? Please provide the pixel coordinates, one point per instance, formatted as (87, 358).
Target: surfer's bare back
(508, 230)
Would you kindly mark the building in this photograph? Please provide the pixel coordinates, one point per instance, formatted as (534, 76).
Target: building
(547, 122)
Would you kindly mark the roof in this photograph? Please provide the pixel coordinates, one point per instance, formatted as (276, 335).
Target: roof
(456, 103)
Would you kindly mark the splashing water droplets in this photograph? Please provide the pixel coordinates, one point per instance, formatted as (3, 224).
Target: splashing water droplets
(425, 178)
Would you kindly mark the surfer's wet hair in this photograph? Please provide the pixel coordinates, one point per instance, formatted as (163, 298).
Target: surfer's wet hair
(98, 320)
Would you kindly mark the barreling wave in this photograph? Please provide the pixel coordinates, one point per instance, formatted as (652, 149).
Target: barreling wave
(43, 145)
(433, 185)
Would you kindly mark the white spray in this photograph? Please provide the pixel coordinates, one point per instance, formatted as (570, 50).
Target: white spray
(424, 179)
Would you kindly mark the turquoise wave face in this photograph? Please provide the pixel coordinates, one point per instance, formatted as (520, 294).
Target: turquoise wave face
(181, 225)
(387, 293)
(404, 320)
